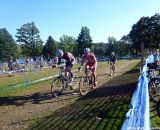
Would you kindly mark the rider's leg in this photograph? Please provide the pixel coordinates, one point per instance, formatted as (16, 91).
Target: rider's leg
(111, 68)
(94, 74)
(86, 71)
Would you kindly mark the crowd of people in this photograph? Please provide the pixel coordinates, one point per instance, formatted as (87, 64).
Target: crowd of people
(88, 58)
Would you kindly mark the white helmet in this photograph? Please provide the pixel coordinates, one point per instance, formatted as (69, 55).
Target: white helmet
(112, 53)
(86, 50)
(59, 53)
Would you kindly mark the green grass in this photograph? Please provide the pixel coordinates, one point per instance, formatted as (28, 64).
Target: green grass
(155, 119)
(110, 102)
(16, 85)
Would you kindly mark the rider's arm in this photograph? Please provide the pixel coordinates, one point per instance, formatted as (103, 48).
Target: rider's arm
(81, 64)
(94, 60)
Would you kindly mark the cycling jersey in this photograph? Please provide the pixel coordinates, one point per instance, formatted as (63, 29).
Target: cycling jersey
(90, 59)
(68, 57)
(91, 62)
(112, 58)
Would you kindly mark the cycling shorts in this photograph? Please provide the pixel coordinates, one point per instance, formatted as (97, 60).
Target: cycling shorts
(91, 67)
(69, 65)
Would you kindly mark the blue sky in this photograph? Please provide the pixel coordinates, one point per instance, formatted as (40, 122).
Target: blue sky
(57, 17)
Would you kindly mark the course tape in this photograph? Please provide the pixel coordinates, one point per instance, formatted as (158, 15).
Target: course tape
(138, 117)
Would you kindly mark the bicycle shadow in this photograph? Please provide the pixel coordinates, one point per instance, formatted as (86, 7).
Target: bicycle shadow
(35, 98)
(103, 108)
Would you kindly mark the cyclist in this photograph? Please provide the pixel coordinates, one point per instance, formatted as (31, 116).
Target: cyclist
(91, 63)
(69, 62)
(112, 61)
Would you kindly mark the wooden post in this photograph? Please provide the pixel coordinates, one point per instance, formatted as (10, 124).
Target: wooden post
(142, 56)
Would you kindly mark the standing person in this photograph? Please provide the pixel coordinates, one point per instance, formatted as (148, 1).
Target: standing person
(112, 62)
(156, 55)
(156, 59)
(10, 65)
(27, 64)
(91, 63)
(40, 62)
(69, 62)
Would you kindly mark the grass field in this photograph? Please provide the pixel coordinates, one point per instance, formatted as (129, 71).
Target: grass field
(33, 107)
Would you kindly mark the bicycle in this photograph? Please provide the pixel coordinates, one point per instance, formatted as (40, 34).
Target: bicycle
(60, 83)
(154, 83)
(158, 107)
(86, 83)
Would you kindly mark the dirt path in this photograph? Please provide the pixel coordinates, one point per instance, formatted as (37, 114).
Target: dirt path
(19, 112)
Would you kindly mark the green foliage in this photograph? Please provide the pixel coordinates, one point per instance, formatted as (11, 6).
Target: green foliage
(49, 48)
(84, 40)
(99, 49)
(28, 36)
(146, 30)
(8, 47)
(111, 45)
(67, 43)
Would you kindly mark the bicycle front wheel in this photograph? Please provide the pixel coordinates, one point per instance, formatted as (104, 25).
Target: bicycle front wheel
(158, 107)
(57, 87)
(83, 86)
(154, 90)
(75, 82)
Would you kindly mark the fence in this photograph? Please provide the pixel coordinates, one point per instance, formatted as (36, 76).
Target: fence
(138, 117)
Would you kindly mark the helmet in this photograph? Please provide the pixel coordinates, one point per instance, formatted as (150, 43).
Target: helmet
(59, 53)
(112, 53)
(86, 50)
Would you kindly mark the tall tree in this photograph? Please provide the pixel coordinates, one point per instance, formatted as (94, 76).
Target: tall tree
(49, 48)
(111, 45)
(67, 43)
(8, 47)
(28, 35)
(99, 49)
(84, 40)
(147, 31)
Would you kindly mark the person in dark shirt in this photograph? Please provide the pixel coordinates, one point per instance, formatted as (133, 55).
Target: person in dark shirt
(69, 61)
(112, 61)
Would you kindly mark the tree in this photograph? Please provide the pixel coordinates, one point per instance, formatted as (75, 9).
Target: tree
(111, 45)
(99, 49)
(28, 35)
(147, 31)
(84, 40)
(49, 48)
(8, 47)
(67, 43)
(128, 43)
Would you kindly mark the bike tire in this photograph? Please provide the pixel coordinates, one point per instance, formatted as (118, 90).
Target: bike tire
(83, 86)
(74, 86)
(154, 90)
(158, 107)
(57, 87)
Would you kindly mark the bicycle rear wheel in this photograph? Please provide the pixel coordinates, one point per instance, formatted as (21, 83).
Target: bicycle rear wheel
(83, 86)
(158, 107)
(57, 87)
(154, 90)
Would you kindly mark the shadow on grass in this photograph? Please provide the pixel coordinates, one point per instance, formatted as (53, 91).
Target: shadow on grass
(36, 98)
(102, 109)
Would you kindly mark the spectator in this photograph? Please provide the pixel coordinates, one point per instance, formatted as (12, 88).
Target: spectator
(156, 55)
